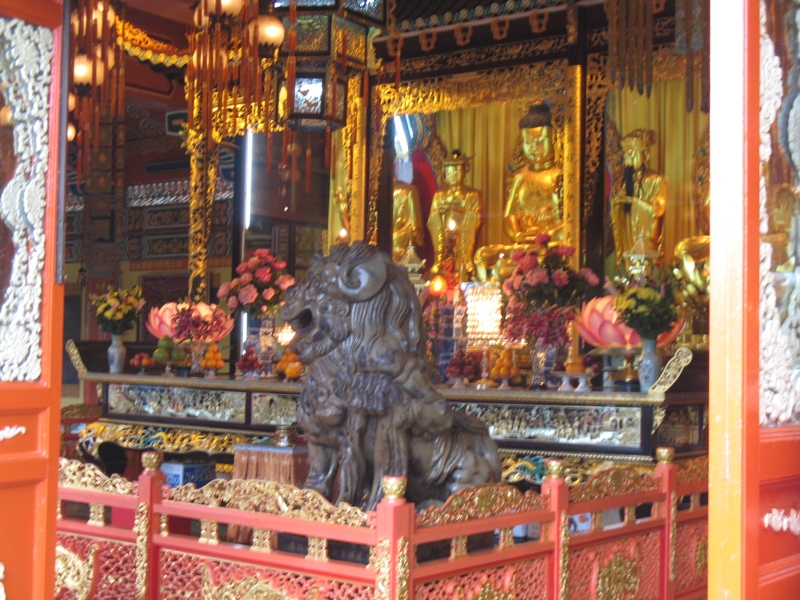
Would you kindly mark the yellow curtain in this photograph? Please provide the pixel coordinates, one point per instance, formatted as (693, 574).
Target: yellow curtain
(489, 134)
(678, 135)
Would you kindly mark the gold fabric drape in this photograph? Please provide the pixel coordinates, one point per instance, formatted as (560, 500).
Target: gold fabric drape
(678, 135)
(489, 134)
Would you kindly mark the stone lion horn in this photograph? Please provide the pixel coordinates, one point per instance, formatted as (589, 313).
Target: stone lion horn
(367, 405)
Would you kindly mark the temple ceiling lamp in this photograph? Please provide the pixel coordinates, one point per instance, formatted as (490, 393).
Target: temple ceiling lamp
(98, 77)
(327, 44)
(233, 48)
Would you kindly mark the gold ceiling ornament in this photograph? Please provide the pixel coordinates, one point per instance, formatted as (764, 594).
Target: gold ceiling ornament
(98, 78)
(138, 44)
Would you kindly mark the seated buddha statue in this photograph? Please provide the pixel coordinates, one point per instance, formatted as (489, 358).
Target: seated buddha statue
(406, 218)
(454, 220)
(533, 204)
(638, 208)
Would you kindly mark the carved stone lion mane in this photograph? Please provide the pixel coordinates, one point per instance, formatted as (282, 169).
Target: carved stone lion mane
(367, 405)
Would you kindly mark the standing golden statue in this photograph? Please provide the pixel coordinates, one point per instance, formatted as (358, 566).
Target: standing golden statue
(454, 220)
(406, 219)
(638, 208)
(343, 206)
(533, 204)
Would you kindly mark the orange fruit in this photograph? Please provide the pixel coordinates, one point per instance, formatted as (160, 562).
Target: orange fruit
(294, 369)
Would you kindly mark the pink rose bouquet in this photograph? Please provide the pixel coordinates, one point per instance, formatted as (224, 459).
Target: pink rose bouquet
(544, 292)
(259, 286)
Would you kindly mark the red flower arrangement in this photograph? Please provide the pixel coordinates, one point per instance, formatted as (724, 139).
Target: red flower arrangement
(259, 287)
(544, 291)
(200, 322)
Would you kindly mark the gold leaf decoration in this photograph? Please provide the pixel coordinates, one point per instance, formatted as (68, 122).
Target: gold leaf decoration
(618, 578)
(616, 481)
(270, 497)
(84, 476)
(480, 502)
(74, 574)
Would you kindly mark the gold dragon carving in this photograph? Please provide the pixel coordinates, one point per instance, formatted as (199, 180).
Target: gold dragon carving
(616, 481)
(142, 527)
(251, 588)
(480, 502)
(84, 476)
(270, 497)
(381, 563)
(73, 573)
(618, 578)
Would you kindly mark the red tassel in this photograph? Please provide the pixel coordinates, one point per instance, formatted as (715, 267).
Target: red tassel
(308, 165)
(285, 148)
(294, 156)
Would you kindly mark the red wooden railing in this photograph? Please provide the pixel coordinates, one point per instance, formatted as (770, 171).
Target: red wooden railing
(305, 548)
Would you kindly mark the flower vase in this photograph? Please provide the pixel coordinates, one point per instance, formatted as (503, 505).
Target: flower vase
(116, 354)
(198, 351)
(649, 365)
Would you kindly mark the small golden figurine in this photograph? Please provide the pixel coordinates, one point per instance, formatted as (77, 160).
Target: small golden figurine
(454, 218)
(533, 205)
(640, 205)
(341, 202)
(406, 219)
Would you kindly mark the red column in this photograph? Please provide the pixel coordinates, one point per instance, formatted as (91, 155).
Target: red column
(148, 522)
(669, 511)
(394, 554)
(556, 487)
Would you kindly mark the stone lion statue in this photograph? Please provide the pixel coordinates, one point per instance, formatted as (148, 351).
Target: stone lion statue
(367, 405)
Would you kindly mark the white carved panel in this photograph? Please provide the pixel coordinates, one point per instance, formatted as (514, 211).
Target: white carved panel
(25, 56)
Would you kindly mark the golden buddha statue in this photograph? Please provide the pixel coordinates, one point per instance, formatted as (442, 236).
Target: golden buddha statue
(454, 219)
(406, 219)
(533, 205)
(640, 205)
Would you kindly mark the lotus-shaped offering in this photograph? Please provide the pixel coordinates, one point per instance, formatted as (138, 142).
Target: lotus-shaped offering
(599, 325)
(196, 322)
(159, 321)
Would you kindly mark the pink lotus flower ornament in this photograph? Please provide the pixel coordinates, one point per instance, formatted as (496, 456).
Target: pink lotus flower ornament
(599, 325)
(159, 321)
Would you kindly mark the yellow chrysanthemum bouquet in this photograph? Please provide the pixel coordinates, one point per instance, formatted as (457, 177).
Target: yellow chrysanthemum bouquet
(117, 310)
(650, 309)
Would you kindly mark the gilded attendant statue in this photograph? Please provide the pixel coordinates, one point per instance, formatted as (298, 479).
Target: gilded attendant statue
(638, 208)
(533, 205)
(455, 217)
(406, 219)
